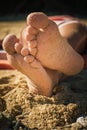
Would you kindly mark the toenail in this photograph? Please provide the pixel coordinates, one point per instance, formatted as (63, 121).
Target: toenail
(25, 51)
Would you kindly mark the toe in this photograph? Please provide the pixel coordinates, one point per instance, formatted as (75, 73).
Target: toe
(18, 47)
(9, 42)
(31, 30)
(24, 51)
(37, 20)
(33, 51)
(32, 44)
(26, 36)
(29, 34)
(29, 58)
(36, 64)
(32, 61)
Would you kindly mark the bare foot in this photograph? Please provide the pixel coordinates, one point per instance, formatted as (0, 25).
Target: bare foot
(40, 80)
(42, 45)
(42, 38)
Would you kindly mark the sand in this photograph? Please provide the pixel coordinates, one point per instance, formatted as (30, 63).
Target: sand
(39, 112)
(20, 110)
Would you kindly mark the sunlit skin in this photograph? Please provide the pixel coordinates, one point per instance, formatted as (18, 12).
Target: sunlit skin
(42, 54)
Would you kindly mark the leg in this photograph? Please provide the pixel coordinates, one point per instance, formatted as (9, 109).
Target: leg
(75, 32)
(51, 49)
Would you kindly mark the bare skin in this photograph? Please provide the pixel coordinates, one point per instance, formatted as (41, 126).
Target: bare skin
(38, 54)
(40, 80)
(42, 38)
(75, 32)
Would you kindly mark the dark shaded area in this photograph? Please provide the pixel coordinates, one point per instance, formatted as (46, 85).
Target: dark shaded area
(71, 7)
(9, 123)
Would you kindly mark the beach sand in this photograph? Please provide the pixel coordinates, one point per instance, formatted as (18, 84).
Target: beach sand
(35, 111)
(20, 110)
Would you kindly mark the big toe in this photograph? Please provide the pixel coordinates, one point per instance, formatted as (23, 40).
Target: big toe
(37, 20)
(8, 43)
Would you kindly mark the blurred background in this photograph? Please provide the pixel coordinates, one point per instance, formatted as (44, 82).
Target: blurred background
(52, 7)
(13, 13)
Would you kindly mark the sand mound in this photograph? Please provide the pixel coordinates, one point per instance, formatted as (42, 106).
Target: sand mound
(25, 111)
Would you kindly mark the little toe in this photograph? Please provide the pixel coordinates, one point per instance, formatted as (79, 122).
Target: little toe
(24, 51)
(18, 47)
